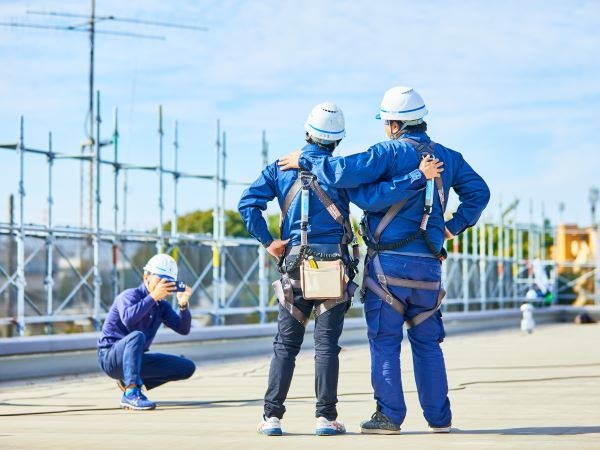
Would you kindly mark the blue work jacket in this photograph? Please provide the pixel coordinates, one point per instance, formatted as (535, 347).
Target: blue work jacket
(135, 310)
(322, 229)
(394, 160)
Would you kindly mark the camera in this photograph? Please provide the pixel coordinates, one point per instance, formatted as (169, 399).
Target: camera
(180, 286)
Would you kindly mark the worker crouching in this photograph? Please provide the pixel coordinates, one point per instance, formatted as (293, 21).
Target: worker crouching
(130, 327)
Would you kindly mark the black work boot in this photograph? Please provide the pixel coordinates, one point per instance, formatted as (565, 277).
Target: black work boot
(379, 424)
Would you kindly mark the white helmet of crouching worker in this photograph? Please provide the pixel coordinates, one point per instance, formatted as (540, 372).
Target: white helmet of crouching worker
(325, 124)
(402, 104)
(162, 265)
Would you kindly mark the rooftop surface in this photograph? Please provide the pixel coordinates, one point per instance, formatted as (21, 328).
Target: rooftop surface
(508, 390)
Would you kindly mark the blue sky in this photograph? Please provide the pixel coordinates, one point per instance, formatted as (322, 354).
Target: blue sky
(514, 86)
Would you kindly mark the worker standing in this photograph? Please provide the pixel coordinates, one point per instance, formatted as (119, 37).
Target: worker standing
(405, 246)
(315, 263)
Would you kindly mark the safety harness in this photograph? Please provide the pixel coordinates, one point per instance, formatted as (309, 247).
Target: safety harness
(380, 284)
(305, 183)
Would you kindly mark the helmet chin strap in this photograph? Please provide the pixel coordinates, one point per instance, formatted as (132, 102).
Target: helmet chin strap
(398, 133)
(402, 129)
(327, 145)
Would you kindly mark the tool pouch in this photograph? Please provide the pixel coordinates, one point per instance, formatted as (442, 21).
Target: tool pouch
(325, 282)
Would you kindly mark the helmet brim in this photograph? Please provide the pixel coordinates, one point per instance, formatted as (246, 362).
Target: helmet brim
(165, 277)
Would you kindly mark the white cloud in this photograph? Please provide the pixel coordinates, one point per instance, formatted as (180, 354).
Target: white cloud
(512, 84)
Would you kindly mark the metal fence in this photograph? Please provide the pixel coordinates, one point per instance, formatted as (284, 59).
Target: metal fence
(230, 278)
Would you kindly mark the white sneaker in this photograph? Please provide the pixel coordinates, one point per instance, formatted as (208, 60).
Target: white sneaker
(269, 426)
(326, 427)
(445, 429)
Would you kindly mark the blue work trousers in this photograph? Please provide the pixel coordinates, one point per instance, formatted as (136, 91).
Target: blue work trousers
(126, 361)
(287, 343)
(385, 337)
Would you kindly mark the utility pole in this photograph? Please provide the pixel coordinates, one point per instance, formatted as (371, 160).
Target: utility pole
(90, 132)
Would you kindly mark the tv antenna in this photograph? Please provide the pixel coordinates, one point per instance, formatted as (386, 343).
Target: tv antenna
(88, 25)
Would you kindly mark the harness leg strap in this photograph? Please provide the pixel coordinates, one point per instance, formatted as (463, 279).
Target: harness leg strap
(328, 304)
(380, 288)
(285, 295)
(422, 317)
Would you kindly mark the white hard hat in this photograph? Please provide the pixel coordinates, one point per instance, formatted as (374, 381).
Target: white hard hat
(326, 123)
(162, 265)
(404, 104)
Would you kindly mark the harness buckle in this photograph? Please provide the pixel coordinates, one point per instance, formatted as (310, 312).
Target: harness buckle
(388, 299)
(381, 278)
(306, 178)
(361, 294)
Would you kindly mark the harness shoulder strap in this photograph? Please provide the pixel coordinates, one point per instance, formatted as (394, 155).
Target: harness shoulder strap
(440, 188)
(332, 209)
(289, 198)
(395, 208)
(438, 180)
(387, 218)
(379, 284)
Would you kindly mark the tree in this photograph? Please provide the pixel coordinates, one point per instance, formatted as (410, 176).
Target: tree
(201, 221)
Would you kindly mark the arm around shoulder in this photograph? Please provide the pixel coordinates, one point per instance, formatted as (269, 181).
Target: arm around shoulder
(352, 170)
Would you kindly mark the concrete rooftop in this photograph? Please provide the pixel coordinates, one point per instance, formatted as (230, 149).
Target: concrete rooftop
(508, 390)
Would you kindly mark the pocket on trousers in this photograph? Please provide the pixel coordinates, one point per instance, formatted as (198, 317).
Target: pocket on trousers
(372, 309)
(442, 329)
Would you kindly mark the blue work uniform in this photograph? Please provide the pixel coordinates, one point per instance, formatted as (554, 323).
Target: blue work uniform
(389, 160)
(127, 333)
(324, 235)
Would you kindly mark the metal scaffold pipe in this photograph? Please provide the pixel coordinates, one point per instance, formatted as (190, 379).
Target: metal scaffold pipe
(223, 188)
(125, 194)
(501, 259)
(20, 235)
(216, 249)
(174, 230)
(96, 157)
(174, 236)
(49, 280)
(223, 259)
(116, 170)
(531, 251)
(482, 266)
(160, 243)
(263, 261)
(517, 249)
(465, 269)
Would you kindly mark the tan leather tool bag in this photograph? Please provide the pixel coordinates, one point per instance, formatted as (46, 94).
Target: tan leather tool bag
(327, 281)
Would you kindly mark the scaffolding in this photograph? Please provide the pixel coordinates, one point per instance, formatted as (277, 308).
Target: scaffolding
(90, 282)
(490, 266)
